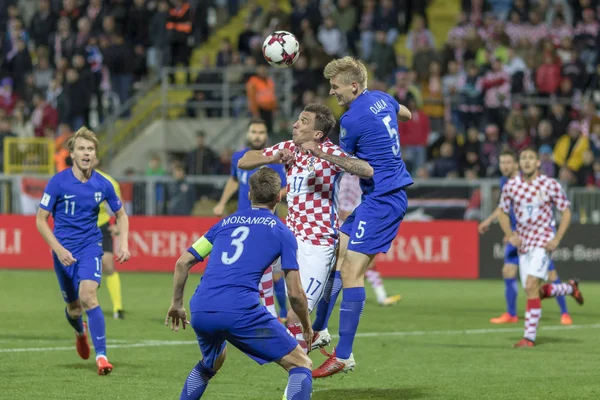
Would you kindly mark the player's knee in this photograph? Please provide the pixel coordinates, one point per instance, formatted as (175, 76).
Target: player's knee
(108, 265)
(532, 287)
(88, 296)
(552, 275)
(509, 271)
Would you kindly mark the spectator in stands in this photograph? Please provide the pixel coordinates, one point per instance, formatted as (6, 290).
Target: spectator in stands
(547, 166)
(490, 150)
(569, 151)
(43, 23)
(345, 16)
(586, 33)
(594, 180)
(520, 139)
(496, 86)
(305, 10)
(419, 37)
(158, 39)
(155, 166)
(471, 97)
(78, 99)
(558, 119)
(432, 92)
(365, 28)
(449, 136)
(383, 57)
(182, 194)
(42, 74)
(586, 173)
(544, 135)
(179, 29)
(246, 36)
(8, 97)
(332, 39)
(515, 119)
(450, 86)
(415, 134)
(62, 42)
(446, 165)
(262, 100)
(275, 19)
(202, 160)
(44, 117)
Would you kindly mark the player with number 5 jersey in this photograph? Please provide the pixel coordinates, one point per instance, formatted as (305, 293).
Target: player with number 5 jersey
(369, 131)
(311, 197)
(74, 197)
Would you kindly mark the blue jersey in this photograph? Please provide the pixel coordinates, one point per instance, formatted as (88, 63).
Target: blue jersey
(74, 205)
(243, 177)
(244, 245)
(369, 130)
(513, 218)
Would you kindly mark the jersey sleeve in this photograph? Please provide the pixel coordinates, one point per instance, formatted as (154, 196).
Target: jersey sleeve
(393, 101)
(51, 195)
(234, 162)
(113, 200)
(289, 250)
(349, 135)
(558, 196)
(202, 247)
(271, 151)
(505, 199)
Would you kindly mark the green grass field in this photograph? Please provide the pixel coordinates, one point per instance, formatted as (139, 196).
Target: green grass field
(435, 344)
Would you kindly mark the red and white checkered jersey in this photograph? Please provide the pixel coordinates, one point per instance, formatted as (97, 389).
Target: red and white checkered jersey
(350, 192)
(533, 206)
(312, 193)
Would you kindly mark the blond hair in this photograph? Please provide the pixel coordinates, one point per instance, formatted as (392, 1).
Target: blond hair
(348, 70)
(265, 185)
(82, 133)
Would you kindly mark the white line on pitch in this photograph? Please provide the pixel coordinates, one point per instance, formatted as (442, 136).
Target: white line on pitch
(156, 343)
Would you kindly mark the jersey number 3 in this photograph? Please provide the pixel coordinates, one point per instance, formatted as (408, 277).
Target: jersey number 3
(393, 132)
(237, 240)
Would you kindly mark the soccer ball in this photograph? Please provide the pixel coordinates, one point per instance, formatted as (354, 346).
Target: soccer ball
(281, 49)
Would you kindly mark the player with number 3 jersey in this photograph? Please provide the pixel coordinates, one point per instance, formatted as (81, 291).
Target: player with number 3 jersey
(369, 131)
(311, 197)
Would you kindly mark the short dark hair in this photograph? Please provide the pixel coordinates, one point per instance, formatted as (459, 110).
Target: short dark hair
(264, 186)
(509, 152)
(324, 119)
(254, 121)
(529, 148)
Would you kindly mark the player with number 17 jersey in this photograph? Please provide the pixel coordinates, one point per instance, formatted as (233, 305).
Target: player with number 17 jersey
(369, 130)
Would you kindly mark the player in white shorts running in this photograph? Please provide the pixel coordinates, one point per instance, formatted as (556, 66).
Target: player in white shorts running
(532, 197)
(311, 197)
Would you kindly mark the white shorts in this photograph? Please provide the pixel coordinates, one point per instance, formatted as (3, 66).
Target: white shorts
(315, 264)
(534, 263)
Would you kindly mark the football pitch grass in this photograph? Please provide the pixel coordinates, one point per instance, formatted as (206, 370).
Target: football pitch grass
(436, 343)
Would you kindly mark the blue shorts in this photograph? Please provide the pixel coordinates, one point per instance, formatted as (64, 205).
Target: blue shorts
(373, 225)
(87, 267)
(257, 333)
(511, 256)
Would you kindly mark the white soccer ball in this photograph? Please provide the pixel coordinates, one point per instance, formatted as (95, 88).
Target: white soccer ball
(281, 49)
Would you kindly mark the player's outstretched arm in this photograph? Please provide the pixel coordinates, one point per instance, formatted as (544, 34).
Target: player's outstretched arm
(229, 190)
(512, 236)
(176, 313)
(357, 167)
(123, 224)
(255, 159)
(485, 224)
(41, 223)
(404, 114)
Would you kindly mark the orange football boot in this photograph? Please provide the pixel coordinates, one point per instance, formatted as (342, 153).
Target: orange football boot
(104, 367)
(524, 343)
(505, 318)
(565, 319)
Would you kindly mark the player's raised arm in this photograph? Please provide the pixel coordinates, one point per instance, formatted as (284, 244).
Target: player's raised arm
(256, 158)
(229, 190)
(485, 224)
(357, 167)
(404, 114)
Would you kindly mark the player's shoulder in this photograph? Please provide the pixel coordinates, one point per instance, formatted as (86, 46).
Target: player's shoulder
(239, 154)
(60, 177)
(329, 147)
(549, 182)
(101, 178)
(106, 176)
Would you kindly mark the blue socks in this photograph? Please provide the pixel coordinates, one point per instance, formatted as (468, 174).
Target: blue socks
(77, 324)
(279, 286)
(351, 309)
(562, 303)
(510, 293)
(299, 384)
(97, 330)
(196, 382)
(327, 303)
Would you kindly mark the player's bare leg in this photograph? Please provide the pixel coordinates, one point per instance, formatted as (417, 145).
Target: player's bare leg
(376, 281)
(73, 311)
(533, 313)
(299, 367)
(113, 284)
(88, 293)
(353, 281)
(198, 379)
(565, 317)
(509, 273)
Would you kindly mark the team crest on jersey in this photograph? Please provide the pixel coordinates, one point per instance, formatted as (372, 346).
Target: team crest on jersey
(311, 166)
(98, 197)
(342, 132)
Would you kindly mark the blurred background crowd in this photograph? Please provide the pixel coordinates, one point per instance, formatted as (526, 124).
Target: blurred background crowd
(511, 73)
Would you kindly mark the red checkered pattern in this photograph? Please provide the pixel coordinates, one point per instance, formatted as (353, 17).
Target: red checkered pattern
(350, 192)
(532, 204)
(312, 214)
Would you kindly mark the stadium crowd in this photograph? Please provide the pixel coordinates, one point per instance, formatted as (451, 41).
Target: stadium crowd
(511, 72)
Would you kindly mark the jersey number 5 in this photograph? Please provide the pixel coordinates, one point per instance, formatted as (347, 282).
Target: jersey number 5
(393, 132)
(238, 236)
